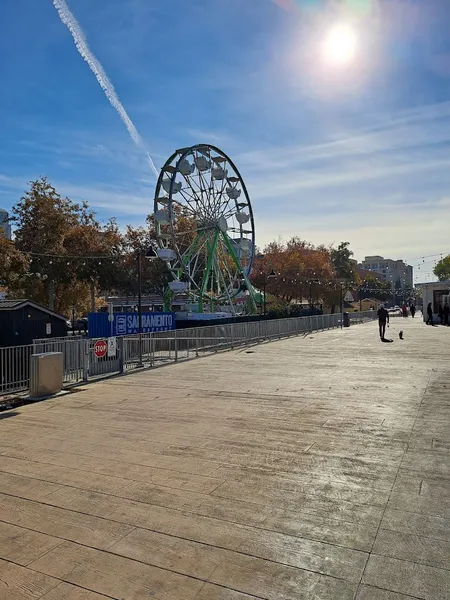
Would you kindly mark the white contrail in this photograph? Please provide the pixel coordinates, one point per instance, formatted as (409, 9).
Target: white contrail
(81, 44)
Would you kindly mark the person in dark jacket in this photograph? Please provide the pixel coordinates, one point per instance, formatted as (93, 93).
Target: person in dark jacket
(412, 310)
(429, 321)
(446, 313)
(383, 318)
(441, 314)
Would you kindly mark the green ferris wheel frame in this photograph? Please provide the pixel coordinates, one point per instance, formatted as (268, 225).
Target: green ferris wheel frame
(225, 267)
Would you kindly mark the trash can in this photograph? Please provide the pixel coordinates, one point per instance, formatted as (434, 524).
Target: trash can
(346, 319)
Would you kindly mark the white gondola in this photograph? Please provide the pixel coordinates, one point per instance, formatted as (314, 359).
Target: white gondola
(162, 200)
(176, 186)
(219, 173)
(162, 217)
(202, 163)
(233, 193)
(243, 243)
(166, 254)
(242, 218)
(178, 286)
(186, 168)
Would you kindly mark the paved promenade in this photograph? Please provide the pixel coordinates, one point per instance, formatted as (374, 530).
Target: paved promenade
(314, 468)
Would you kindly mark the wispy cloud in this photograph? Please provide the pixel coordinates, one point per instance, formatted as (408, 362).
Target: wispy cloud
(381, 187)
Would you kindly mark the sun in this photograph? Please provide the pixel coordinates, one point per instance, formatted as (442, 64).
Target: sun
(340, 44)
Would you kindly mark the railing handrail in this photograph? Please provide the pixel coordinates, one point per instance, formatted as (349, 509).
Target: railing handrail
(81, 363)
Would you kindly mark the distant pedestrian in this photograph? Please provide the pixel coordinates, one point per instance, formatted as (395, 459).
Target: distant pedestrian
(429, 320)
(446, 313)
(441, 314)
(383, 318)
(412, 309)
(404, 311)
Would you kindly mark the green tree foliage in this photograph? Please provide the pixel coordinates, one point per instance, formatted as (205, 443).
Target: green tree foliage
(341, 257)
(442, 269)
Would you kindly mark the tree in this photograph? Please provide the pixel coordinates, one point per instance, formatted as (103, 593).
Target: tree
(301, 268)
(95, 254)
(372, 287)
(70, 254)
(44, 220)
(13, 264)
(442, 269)
(341, 257)
(155, 274)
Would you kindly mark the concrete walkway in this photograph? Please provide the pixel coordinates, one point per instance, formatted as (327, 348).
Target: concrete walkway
(310, 468)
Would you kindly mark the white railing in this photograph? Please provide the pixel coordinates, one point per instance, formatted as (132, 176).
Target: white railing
(15, 369)
(82, 364)
(182, 344)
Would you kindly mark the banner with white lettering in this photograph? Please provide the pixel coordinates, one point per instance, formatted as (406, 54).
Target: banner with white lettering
(128, 323)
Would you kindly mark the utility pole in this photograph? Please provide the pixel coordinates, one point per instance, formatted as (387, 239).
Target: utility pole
(139, 278)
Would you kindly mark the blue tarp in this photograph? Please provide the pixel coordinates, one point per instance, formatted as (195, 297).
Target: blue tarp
(128, 323)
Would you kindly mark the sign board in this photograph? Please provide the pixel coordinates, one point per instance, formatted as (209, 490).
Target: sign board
(48, 329)
(128, 323)
(112, 347)
(100, 348)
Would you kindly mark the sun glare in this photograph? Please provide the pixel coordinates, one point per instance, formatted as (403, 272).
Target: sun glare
(340, 44)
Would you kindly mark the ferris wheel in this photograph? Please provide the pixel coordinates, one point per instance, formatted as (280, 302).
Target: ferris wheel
(205, 228)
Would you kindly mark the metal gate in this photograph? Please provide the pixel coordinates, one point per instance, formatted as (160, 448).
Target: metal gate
(103, 365)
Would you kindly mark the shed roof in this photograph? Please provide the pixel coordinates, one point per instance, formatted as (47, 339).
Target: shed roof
(6, 305)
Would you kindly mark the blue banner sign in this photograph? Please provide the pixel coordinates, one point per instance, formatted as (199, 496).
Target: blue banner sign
(128, 323)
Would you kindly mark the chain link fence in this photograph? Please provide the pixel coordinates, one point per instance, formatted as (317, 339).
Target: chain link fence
(85, 360)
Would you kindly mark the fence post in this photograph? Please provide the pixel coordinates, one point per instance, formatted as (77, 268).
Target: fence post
(85, 360)
(121, 351)
(176, 345)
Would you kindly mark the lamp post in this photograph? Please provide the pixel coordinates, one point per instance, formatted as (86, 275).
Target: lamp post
(149, 253)
(269, 276)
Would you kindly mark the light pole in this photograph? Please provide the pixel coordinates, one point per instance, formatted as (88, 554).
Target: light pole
(269, 276)
(150, 253)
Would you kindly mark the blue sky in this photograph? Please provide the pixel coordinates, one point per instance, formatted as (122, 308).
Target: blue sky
(357, 153)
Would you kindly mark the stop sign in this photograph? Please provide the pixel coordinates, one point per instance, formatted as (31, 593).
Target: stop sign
(100, 348)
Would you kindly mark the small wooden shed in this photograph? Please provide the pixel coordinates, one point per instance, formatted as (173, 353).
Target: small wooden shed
(22, 321)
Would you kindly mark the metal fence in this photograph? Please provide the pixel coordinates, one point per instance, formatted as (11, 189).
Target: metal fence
(82, 363)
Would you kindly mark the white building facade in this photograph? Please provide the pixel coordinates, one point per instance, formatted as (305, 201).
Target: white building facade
(395, 272)
(5, 227)
(438, 293)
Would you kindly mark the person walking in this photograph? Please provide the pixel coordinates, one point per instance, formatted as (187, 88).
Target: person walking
(383, 318)
(429, 320)
(441, 314)
(446, 313)
(412, 309)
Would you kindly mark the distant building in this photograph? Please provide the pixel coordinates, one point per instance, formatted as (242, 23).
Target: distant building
(395, 272)
(4, 223)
